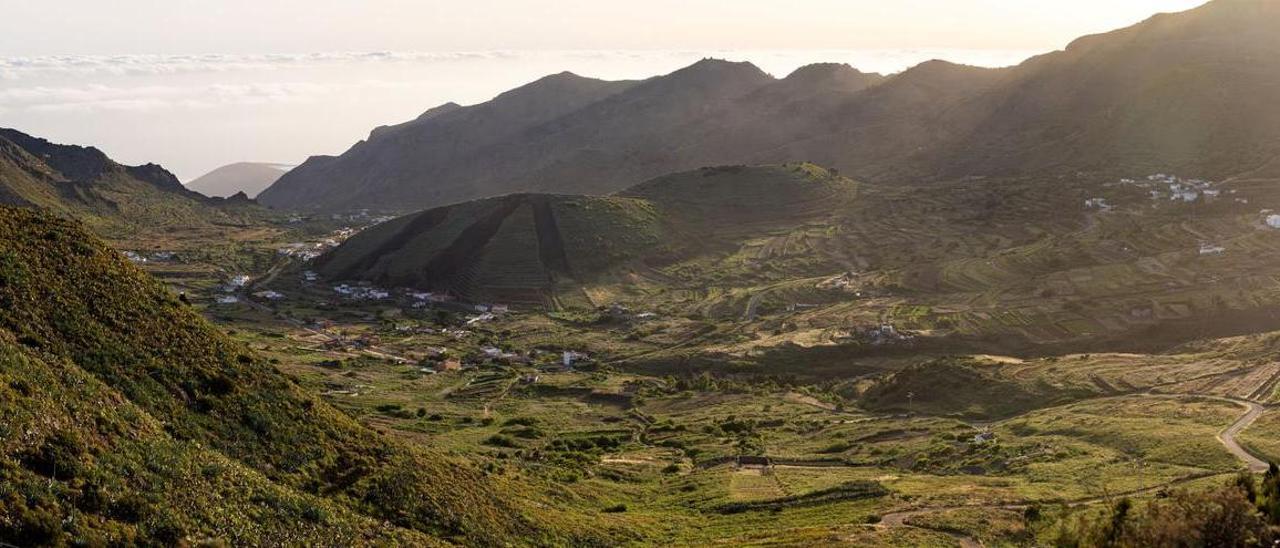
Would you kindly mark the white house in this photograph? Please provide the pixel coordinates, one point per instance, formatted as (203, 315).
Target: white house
(1210, 249)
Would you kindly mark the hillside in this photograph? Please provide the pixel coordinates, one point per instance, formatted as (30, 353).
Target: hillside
(392, 162)
(520, 247)
(249, 178)
(1188, 91)
(127, 416)
(113, 199)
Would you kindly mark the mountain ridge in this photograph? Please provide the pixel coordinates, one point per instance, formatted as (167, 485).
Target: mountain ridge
(1126, 99)
(83, 183)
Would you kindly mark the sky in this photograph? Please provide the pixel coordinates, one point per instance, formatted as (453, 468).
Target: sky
(195, 84)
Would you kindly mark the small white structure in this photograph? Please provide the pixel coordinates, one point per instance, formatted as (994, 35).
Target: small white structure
(1210, 249)
(239, 280)
(481, 318)
(226, 299)
(1097, 203)
(1273, 221)
(269, 295)
(570, 357)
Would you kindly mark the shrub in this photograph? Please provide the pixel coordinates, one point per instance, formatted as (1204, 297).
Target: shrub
(499, 440)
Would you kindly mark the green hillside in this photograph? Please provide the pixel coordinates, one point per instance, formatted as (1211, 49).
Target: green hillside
(113, 199)
(128, 413)
(519, 248)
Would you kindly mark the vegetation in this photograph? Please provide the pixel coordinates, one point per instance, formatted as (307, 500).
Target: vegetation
(71, 303)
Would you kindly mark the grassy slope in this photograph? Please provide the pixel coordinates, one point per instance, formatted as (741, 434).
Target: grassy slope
(82, 464)
(68, 298)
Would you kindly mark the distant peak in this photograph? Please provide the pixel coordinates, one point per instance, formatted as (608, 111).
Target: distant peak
(716, 64)
(565, 75)
(832, 75)
(437, 111)
(938, 68)
(552, 83)
(711, 71)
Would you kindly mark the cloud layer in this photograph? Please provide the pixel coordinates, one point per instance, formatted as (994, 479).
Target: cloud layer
(193, 113)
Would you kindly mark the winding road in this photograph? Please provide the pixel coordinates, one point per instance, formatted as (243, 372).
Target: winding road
(1227, 438)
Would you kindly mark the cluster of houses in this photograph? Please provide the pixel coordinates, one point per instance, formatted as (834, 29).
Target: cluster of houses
(881, 334)
(1163, 186)
(236, 283)
(440, 360)
(361, 216)
(304, 251)
(844, 282)
(358, 342)
(307, 251)
(269, 295)
(362, 292)
(158, 256)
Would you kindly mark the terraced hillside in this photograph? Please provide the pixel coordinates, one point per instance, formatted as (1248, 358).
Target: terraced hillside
(524, 248)
(126, 415)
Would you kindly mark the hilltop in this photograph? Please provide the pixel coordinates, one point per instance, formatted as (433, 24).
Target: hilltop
(114, 199)
(249, 178)
(1185, 91)
(128, 417)
(521, 247)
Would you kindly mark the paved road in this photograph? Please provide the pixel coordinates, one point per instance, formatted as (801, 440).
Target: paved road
(1228, 437)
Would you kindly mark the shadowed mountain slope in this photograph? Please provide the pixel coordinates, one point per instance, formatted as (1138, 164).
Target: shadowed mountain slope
(515, 248)
(1190, 91)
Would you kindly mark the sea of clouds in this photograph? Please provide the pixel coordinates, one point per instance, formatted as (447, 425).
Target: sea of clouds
(193, 113)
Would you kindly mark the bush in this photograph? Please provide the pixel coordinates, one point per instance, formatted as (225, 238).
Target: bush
(499, 440)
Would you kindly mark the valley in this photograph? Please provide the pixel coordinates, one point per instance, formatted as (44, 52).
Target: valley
(964, 425)
(952, 306)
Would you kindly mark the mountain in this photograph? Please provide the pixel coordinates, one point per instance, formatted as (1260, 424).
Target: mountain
(128, 418)
(83, 183)
(520, 247)
(1187, 91)
(249, 178)
(391, 163)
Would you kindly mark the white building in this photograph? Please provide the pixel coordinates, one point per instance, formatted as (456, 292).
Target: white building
(1210, 249)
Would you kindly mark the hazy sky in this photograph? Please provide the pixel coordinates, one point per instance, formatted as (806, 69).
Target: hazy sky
(196, 84)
